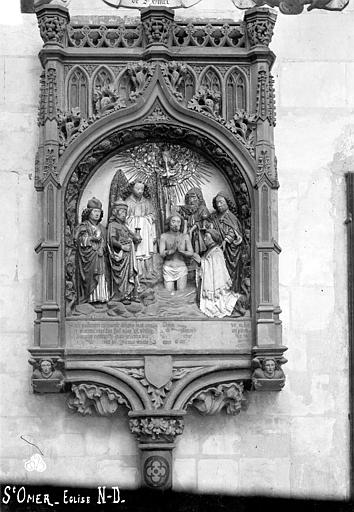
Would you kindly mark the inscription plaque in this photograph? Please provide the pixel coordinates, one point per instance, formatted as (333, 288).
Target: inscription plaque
(153, 335)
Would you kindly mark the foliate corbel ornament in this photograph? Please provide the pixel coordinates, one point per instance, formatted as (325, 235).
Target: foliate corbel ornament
(174, 73)
(213, 399)
(293, 6)
(47, 376)
(268, 375)
(89, 398)
(260, 26)
(107, 100)
(52, 22)
(207, 102)
(140, 74)
(156, 428)
(243, 126)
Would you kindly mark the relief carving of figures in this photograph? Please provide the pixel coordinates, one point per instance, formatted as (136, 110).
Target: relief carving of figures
(175, 247)
(90, 240)
(175, 73)
(122, 243)
(165, 254)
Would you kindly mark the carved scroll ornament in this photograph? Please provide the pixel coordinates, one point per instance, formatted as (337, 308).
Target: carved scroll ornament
(293, 6)
(224, 396)
(89, 398)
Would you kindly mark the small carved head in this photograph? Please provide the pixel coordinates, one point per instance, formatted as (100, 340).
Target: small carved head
(220, 203)
(175, 223)
(46, 367)
(194, 197)
(93, 211)
(138, 189)
(212, 237)
(269, 366)
(120, 210)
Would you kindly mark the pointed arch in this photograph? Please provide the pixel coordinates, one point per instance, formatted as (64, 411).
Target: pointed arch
(235, 92)
(78, 91)
(102, 78)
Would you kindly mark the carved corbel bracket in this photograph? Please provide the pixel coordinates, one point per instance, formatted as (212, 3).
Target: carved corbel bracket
(47, 376)
(268, 374)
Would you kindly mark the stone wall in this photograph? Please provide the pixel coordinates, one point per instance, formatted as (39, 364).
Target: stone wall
(293, 443)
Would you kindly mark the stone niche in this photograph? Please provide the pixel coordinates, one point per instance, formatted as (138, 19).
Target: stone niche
(158, 181)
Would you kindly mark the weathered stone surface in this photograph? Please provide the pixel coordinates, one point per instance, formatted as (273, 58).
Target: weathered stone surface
(269, 476)
(184, 475)
(218, 475)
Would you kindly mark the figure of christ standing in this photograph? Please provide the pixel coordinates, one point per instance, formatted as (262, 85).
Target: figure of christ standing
(174, 248)
(121, 250)
(229, 228)
(216, 298)
(90, 242)
(141, 220)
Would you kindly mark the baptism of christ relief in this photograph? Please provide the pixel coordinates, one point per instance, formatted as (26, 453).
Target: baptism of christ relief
(160, 234)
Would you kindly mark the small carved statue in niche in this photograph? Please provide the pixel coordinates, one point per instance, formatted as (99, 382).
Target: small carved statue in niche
(195, 213)
(217, 300)
(122, 256)
(47, 370)
(225, 222)
(174, 248)
(141, 220)
(90, 238)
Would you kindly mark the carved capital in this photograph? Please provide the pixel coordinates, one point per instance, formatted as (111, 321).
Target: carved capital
(155, 429)
(88, 398)
(157, 25)
(268, 375)
(260, 25)
(52, 22)
(47, 376)
(213, 399)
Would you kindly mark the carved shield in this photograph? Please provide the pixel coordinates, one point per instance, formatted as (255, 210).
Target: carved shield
(158, 370)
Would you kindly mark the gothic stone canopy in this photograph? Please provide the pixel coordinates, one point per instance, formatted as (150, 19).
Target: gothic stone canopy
(158, 183)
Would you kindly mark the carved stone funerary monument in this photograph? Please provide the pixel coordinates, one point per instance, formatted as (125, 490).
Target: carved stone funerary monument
(158, 182)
